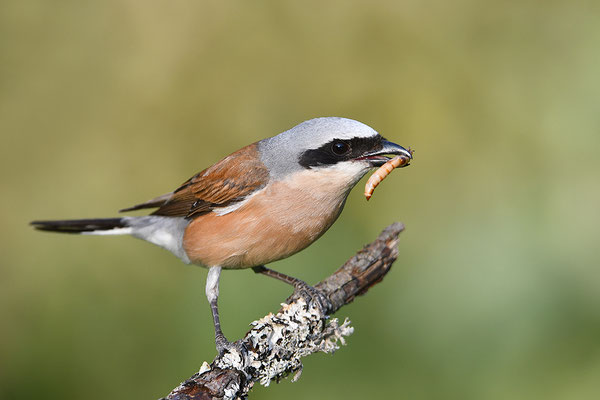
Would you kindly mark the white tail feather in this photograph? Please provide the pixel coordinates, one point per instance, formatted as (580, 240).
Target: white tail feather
(165, 232)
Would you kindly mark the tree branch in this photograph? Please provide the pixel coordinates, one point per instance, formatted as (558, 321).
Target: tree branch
(276, 343)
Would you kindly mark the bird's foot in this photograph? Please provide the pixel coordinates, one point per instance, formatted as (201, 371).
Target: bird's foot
(312, 295)
(225, 346)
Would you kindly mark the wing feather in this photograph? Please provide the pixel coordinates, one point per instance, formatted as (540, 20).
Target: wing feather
(153, 203)
(225, 183)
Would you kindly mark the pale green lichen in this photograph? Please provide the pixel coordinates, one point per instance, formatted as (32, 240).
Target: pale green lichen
(276, 343)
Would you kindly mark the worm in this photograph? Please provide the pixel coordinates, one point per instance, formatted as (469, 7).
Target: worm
(382, 172)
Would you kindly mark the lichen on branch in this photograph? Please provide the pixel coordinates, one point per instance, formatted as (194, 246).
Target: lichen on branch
(273, 348)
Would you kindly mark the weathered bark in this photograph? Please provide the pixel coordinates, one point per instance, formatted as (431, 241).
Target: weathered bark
(276, 343)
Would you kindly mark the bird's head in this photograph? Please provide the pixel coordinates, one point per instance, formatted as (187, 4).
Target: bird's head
(346, 148)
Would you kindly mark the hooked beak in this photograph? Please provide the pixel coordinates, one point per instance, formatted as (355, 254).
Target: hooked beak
(377, 158)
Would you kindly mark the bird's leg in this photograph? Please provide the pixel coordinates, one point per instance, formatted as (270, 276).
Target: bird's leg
(305, 290)
(212, 294)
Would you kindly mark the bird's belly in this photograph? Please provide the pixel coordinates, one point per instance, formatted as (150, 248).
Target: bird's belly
(274, 224)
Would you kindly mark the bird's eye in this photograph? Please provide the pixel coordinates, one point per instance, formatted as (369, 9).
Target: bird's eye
(340, 148)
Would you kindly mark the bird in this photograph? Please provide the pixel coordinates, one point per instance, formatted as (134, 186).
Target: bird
(262, 203)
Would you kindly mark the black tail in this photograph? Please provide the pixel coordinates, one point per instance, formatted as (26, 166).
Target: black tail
(79, 225)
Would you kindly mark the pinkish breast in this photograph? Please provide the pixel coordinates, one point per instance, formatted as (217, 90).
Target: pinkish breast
(275, 223)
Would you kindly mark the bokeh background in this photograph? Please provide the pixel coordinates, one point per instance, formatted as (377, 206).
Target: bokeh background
(496, 294)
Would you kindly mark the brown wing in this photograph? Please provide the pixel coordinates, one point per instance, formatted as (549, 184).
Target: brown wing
(155, 202)
(227, 182)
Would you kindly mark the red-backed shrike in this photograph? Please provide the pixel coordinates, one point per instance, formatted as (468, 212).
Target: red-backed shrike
(260, 204)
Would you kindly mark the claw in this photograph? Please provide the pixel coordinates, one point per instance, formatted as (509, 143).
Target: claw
(311, 294)
(225, 346)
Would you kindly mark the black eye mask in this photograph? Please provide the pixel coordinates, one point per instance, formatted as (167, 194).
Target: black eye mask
(327, 154)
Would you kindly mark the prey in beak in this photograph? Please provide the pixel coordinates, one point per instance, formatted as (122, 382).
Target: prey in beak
(378, 157)
(386, 165)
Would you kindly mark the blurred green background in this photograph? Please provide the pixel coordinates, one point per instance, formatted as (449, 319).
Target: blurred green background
(496, 294)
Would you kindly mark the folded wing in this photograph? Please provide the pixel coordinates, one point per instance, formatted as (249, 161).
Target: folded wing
(223, 184)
